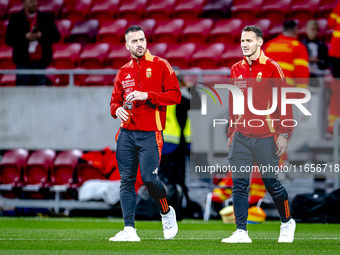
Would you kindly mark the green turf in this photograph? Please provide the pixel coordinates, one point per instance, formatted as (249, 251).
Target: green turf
(90, 236)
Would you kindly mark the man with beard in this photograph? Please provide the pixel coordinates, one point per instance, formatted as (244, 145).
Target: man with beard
(256, 143)
(148, 83)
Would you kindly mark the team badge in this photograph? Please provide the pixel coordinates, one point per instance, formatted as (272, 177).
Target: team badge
(259, 77)
(148, 73)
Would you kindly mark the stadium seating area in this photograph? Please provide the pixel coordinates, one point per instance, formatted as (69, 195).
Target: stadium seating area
(189, 33)
(25, 174)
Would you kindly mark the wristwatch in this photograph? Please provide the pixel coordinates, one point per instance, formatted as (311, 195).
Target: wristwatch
(285, 135)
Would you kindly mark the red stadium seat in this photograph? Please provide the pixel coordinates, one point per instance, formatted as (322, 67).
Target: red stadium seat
(64, 166)
(322, 26)
(76, 10)
(217, 9)
(99, 80)
(159, 9)
(3, 27)
(180, 54)
(304, 9)
(168, 30)
(51, 6)
(8, 80)
(275, 10)
(12, 165)
(246, 9)
(231, 55)
(157, 49)
(6, 54)
(93, 55)
(148, 26)
(118, 56)
(39, 166)
(104, 9)
(227, 31)
(264, 24)
(326, 7)
(84, 32)
(188, 9)
(207, 56)
(64, 27)
(132, 9)
(3, 8)
(275, 30)
(197, 30)
(65, 55)
(14, 6)
(112, 31)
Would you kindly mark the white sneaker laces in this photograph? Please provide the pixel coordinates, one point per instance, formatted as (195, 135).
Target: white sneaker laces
(167, 223)
(284, 230)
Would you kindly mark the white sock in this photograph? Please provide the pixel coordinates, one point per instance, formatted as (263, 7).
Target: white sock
(129, 229)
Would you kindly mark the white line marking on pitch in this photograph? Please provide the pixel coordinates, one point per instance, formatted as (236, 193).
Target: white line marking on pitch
(190, 238)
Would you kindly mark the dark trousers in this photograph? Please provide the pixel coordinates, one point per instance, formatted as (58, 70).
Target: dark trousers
(143, 148)
(336, 67)
(244, 152)
(27, 79)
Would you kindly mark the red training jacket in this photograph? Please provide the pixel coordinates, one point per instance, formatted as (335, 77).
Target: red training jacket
(150, 74)
(262, 76)
(334, 23)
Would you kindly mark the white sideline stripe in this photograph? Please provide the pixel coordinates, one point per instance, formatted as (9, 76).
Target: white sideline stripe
(190, 238)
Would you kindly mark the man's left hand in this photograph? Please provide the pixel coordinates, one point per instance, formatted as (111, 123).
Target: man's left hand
(137, 95)
(281, 144)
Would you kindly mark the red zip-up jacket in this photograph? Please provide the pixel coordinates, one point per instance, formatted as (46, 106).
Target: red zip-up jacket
(155, 76)
(262, 76)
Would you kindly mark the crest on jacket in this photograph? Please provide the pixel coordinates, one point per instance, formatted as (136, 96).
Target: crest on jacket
(259, 77)
(148, 73)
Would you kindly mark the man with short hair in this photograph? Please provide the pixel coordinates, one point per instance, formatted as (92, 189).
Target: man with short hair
(150, 83)
(31, 33)
(256, 143)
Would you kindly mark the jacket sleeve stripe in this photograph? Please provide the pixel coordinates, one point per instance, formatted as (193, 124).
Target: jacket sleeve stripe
(158, 120)
(279, 69)
(300, 62)
(168, 65)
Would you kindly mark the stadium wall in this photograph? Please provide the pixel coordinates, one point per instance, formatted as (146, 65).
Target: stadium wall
(56, 118)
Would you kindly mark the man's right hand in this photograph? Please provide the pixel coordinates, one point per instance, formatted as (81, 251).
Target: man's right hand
(33, 36)
(122, 114)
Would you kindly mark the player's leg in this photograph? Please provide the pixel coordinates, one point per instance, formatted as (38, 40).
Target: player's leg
(266, 156)
(241, 161)
(150, 146)
(127, 158)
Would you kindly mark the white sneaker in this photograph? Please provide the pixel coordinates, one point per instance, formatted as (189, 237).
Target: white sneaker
(169, 222)
(287, 231)
(128, 234)
(239, 236)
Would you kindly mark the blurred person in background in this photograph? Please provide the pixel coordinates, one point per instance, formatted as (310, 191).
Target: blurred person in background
(317, 50)
(334, 53)
(31, 33)
(291, 55)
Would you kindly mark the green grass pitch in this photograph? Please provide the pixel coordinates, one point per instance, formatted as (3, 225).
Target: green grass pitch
(90, 236)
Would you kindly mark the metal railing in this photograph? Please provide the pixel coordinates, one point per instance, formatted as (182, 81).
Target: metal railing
(106, 71)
